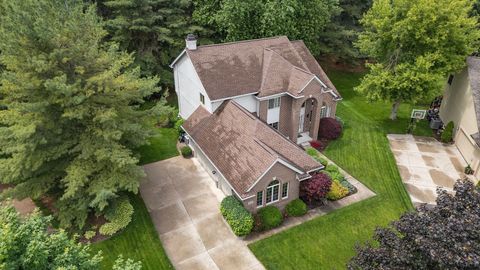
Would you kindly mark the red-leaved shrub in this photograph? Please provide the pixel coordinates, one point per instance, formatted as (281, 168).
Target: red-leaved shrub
(329, 128)
(316, 188)
(319, 145)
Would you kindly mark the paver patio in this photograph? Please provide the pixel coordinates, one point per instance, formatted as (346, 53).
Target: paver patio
(425, 164)
(184, 205)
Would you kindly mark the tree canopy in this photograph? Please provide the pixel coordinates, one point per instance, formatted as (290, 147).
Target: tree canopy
(72, 118)
(414, 45)
(250, 19)
(445, 236)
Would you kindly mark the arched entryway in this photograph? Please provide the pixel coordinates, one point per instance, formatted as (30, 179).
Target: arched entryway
(307, 118)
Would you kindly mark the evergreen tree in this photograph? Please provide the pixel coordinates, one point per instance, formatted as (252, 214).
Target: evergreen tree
(72, 119)
(415, 44)
(154, 30)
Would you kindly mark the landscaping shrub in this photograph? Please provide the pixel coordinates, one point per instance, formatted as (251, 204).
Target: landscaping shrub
(186, 151)
(447, 134)
(316, 187)
(351, 188)
(118, 217)
(312, 152)
(239, 219)
(329, 129)
(334, 175)
(89, 234)
(319, 145)
(270, 217)
(322, 161)
(332, 169)
(296, 208)
(178, 125)
(337, 191)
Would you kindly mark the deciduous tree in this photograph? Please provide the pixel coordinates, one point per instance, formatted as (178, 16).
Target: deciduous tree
(445, 236)
(72, 120)
(414, 44)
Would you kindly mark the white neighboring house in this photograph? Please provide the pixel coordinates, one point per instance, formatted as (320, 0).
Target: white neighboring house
(461, 105)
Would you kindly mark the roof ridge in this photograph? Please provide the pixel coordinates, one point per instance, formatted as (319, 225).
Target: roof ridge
(242, 41)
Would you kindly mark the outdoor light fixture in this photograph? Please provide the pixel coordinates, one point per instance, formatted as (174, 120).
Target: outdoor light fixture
(214, 172)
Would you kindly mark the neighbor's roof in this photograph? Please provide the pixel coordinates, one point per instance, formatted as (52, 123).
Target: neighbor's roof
(241, 146)
(474, 77)
(264, 66)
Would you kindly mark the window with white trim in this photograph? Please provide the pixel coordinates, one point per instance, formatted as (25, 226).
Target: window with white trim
(284, 190)
(259, 198)
(274, 103)
(272, 192)
(324, 111)
(202, 98)
(274, 125)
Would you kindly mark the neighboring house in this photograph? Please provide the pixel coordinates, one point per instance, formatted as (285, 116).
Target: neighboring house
(276, 79)
(461, 104)
(247, 106)
(247, 158)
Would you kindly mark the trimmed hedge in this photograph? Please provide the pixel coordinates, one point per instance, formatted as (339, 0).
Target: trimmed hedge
(239, 219)
(270, 217)
(186, 151)
(296, 208)
(118, 216)
(447, 134)
(337, 191)
(329, 129)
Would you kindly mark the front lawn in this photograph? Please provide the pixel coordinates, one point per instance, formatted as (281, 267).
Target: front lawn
(328, 242)
(139, 241)
(162, 146)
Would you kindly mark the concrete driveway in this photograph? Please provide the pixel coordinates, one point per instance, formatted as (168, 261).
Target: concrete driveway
(425, 164)
(184, 205)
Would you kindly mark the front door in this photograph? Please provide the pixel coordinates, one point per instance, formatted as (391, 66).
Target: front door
(302, 120)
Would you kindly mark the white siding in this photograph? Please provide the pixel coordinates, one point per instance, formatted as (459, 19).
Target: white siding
(248, 102)
(188, 88)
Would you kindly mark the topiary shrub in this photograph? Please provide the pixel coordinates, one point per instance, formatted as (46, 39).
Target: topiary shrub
(239, 219)
(337, 191)
(447, 134)
(316, 187)
(270, 217)
(296, 208)
(186, 151)
(118, 216)
(329, 129)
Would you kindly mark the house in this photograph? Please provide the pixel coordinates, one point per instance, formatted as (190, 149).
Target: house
(247, 106)
(276, 79)
(461, 104)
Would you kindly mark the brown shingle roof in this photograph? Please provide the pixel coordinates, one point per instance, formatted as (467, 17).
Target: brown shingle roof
(241, 146)
(473, 63)
(264, 66)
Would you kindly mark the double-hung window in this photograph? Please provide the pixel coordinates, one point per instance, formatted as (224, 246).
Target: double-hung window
(284, 190)
(272, 192)
(274, 103)
(259, 198)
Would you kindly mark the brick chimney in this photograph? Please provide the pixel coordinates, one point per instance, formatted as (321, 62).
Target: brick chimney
(191, 42)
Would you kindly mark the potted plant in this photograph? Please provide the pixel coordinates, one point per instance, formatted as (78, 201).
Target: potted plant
(469, 170)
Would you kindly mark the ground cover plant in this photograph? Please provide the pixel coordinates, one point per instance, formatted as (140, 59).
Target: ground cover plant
(328, 242)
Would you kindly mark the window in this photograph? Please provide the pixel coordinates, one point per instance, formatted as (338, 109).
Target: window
(202, 99)
(274, 103)
(450, 79)
(324, 112)
(274, 125)
(259, 198)
(285, 190)
(272, 192)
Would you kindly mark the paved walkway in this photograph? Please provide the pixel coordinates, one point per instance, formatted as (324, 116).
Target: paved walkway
(425, 164)
(184, 205)
(362, 194)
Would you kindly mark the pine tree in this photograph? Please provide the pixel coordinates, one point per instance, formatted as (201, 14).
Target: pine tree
(152, 29)
(72, 118)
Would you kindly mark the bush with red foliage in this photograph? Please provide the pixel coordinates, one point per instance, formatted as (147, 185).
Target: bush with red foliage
(329, 129)
(319, 145)
(316, 188)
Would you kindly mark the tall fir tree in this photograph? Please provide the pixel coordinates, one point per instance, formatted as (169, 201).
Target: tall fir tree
(154, 30)
(72, 118)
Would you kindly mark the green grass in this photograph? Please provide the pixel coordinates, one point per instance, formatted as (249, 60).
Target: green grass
(162, 146)
(139, 241)
(328, 242)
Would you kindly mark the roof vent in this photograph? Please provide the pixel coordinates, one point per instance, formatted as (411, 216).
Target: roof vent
(191, 42)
